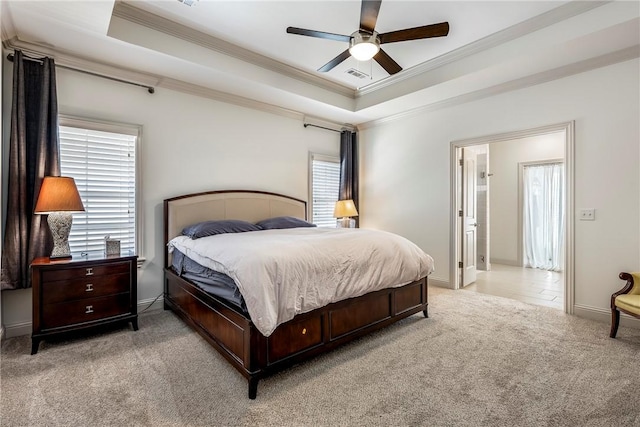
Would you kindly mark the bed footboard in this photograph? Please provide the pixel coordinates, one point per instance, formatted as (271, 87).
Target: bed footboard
(307, 335)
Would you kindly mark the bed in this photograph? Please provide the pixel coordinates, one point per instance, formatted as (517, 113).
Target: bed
(228, 326)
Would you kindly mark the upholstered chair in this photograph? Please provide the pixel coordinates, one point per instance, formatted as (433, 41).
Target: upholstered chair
(626, 300)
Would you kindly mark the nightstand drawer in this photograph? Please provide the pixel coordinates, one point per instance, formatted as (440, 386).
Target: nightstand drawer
(87, 271)
(82, 293)
(85, 310)
(86, 287)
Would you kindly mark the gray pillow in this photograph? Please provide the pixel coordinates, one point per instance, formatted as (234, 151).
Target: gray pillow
(211, 228)
(283, 222)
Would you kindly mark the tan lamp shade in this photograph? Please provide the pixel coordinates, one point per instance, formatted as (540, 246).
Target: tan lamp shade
(58, 194)
(344, 209)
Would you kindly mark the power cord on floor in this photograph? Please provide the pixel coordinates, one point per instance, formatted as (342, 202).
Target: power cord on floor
(152, 302)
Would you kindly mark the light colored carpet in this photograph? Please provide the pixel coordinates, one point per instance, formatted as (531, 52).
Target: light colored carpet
(478, 360)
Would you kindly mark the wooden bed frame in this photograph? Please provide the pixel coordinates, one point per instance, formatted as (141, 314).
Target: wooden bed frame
(233, 333)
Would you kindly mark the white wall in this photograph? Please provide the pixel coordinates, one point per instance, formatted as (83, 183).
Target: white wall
(505, 159)
(406, 163)
(189, 144)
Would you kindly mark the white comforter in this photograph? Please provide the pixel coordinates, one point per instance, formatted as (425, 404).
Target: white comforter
(281, 273)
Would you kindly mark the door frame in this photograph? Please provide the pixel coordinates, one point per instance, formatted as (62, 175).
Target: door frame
(569, 157)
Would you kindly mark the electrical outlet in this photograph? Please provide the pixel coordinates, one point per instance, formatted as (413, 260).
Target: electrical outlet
(587, 214)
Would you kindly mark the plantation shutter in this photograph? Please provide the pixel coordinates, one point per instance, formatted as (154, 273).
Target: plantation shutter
(325, 190)
(103, 166)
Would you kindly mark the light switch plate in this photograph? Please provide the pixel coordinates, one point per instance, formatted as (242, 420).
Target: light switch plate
(587, 214)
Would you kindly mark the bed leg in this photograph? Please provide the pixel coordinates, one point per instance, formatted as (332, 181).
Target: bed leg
(253, 388)
(426, 312)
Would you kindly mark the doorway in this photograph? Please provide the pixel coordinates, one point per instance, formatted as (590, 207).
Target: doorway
(492, 259)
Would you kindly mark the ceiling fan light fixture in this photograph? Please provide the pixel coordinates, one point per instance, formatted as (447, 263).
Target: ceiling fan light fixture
(364, 46)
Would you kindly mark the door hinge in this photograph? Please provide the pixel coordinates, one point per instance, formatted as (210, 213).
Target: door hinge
(459, 264)
(461, 162)
(459, 213)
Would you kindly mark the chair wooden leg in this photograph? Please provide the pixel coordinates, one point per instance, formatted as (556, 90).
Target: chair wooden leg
(615, 321)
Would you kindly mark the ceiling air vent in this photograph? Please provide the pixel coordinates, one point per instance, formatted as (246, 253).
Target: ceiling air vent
(356, 73)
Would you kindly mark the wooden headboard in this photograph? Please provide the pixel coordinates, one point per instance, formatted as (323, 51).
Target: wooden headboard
(252, 206)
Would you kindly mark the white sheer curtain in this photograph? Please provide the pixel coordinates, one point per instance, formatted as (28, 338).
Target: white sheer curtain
(544, 216)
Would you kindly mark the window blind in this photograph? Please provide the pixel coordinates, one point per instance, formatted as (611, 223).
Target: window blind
(325, 189)
(103, 166)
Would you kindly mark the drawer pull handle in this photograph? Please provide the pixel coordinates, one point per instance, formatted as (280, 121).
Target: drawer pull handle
(89, 271)
(89, 287)
(89, 309)
(304, 331)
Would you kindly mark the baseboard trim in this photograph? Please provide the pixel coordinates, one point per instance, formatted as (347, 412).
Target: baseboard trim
(441, 283)
(18, 329)
(150, 305)
(24, 328)
(604, 315)
(512, 262)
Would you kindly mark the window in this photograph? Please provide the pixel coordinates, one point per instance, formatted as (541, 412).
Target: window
(325, 189)
(101, 157)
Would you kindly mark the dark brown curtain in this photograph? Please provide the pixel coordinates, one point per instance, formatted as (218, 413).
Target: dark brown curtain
(33, 153)
(349, 168)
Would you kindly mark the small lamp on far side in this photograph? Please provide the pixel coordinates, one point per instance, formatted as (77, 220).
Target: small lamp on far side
(344, 211)
(58, 198)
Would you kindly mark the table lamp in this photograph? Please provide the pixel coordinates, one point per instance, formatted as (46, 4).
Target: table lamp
(344, 210)
(58, 198)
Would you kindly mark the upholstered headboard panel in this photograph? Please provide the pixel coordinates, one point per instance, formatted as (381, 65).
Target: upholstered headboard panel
(252, 206)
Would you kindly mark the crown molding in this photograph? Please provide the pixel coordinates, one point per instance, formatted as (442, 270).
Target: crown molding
(622, 55)
(74, 62)
(129, 12)
(69, 60)
(508, 34)
(205, 92)
(83, 64)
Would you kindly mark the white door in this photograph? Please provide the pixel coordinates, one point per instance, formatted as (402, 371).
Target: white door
(469, 216)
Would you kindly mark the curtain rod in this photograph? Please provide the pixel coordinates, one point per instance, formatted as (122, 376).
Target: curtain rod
(150, 89)
(321, 127)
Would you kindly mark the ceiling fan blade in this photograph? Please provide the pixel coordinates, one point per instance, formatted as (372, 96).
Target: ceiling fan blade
(319, 34)
(425, 32)
(387, 63)
(369, 14)
(335, 61)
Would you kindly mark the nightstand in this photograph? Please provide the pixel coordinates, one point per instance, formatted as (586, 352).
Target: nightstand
(75, 294)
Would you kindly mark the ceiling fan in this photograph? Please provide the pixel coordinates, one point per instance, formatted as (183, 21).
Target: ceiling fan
(364, 44)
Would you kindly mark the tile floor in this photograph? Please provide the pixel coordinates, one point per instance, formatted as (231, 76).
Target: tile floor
(523, 284)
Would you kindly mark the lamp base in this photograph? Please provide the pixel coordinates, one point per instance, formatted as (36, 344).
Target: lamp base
(345, 223)
(60, 226)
